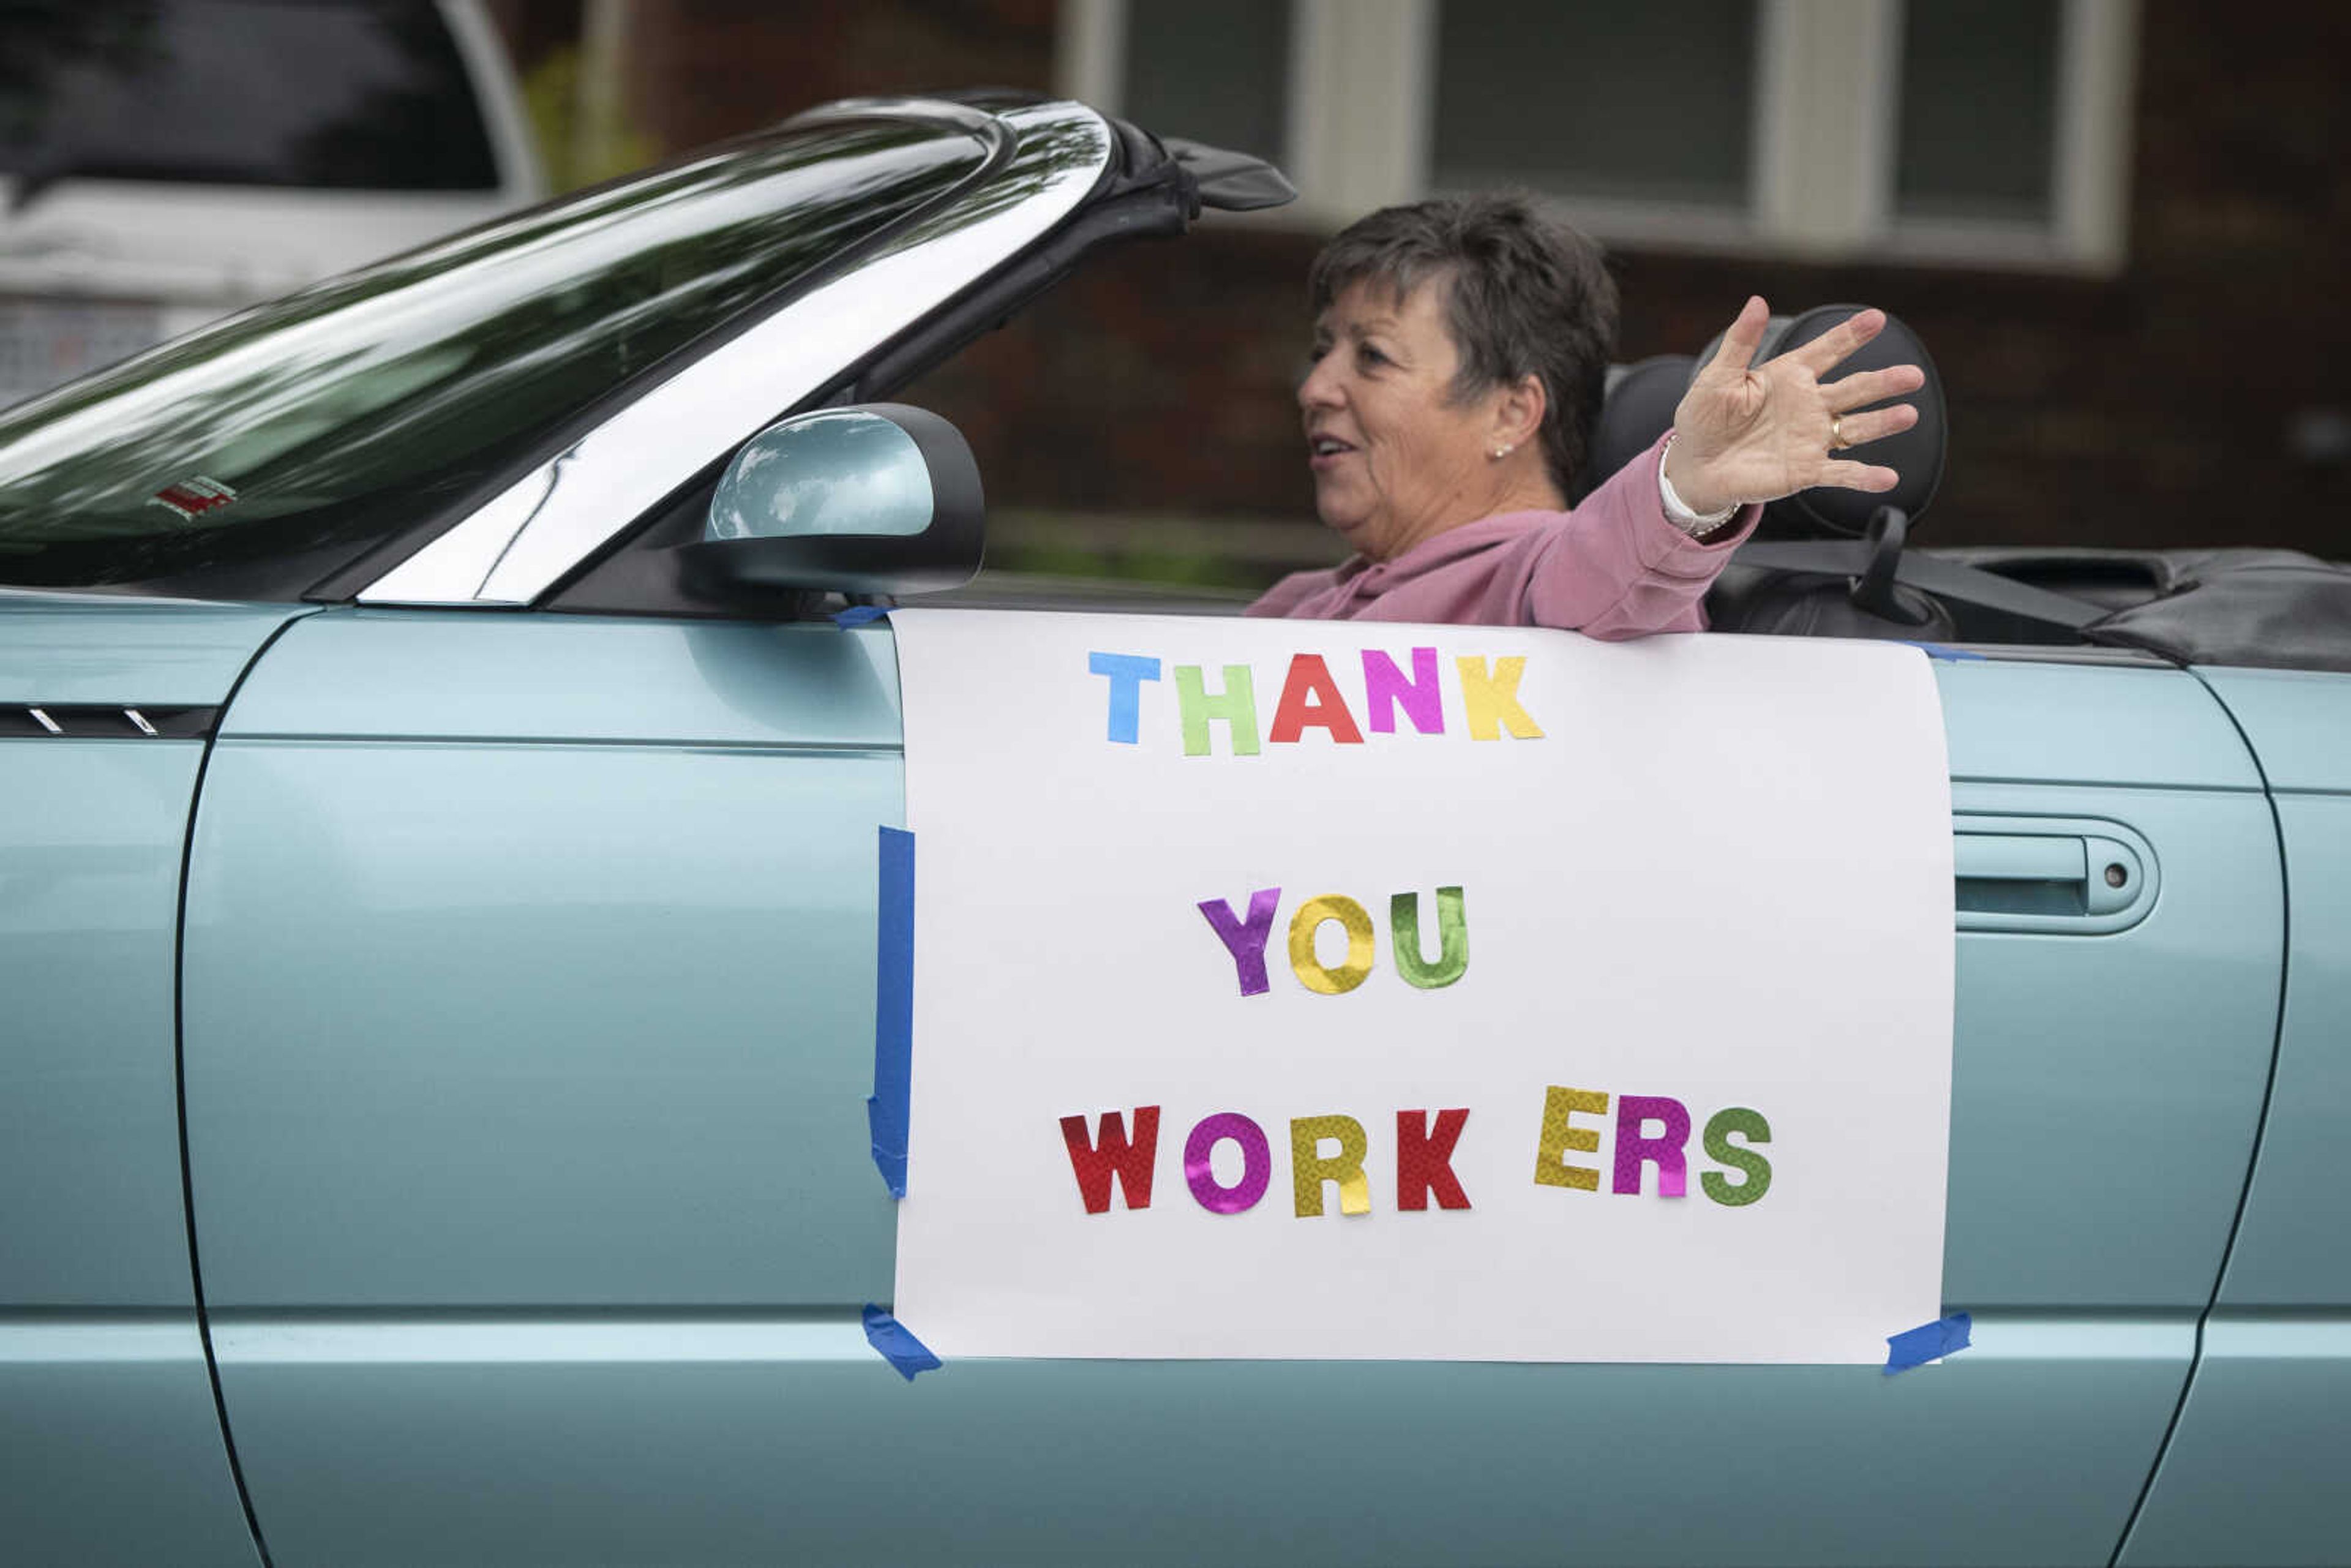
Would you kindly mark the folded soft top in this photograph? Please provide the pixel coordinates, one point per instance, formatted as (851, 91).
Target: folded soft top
(2261, 609)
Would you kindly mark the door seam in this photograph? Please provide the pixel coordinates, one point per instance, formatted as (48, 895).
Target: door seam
(2261, 1128)
(180, 1083)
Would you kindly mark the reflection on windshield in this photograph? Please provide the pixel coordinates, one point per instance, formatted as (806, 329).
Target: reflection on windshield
(340, 414)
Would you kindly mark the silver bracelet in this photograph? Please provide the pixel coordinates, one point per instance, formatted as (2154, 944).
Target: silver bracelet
(1678, 512)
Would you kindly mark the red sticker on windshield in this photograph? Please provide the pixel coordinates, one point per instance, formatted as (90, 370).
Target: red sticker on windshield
(192, 497)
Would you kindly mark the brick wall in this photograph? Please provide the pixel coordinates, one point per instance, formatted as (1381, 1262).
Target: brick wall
(708, 69)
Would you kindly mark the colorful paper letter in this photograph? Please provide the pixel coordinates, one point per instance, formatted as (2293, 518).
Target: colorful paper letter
(1310, 678)
(1360, 948)
(1236, 705)
(1492, 701)
(1309, 1169)
(1386, 690)
(1634, 1112)
(1127, 671)
(1111, 1155)
(1244, 939)
(1453, 939)
(1551, 1168)
(1425, 1159)
(1750, 1126)
(1199, 1171)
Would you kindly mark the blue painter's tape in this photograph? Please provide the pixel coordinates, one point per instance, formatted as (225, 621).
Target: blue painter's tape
(898, 1348)
(1127, 671)
(1928, 1342)
(1936, 651)
(894, 1007)
(859, 615)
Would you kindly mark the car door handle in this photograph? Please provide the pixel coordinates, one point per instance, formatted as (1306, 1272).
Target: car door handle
(2080, 876)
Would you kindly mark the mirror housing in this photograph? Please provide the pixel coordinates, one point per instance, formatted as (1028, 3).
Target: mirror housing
(877, 498)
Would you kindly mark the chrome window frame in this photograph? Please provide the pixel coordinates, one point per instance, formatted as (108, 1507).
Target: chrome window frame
(510, 551)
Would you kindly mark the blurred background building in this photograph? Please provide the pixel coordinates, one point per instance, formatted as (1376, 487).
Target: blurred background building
(2117, 224)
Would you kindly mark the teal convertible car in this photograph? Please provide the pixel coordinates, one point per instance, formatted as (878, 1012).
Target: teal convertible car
(437, 929)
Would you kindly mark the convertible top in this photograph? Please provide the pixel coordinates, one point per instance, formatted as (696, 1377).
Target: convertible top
(2262, 609)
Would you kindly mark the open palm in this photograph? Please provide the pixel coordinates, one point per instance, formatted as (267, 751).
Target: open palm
(1746, 435)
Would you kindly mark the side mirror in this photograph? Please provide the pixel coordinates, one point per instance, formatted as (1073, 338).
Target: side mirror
(877, 498)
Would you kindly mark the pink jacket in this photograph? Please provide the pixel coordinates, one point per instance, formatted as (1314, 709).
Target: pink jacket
(1614, 568)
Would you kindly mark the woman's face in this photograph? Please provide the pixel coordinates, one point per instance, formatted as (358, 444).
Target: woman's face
(1395, 461)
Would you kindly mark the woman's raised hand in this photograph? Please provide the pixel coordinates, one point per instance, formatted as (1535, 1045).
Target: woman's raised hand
(1743, 435)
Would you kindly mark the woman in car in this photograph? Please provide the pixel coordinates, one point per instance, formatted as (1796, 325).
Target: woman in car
(1460, 347)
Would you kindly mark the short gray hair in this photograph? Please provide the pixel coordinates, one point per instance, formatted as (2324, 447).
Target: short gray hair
(1524, 295)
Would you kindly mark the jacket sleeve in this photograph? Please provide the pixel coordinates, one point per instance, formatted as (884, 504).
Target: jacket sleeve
(1616, 568)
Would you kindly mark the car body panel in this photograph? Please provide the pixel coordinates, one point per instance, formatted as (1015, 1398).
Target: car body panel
(2141, 726)
(2076, 1056)
(2293, 1248)
(112, 1450)
(2299, 721)
(2073, 1052)
(90, 649)
(2162, 1031)
(788, 1440)
(91, 1211)
(478, 1117)
(393, 674)
(493, 999)
(2254, 1473)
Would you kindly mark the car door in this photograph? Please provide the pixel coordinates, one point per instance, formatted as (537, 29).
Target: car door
(528, 973)
(529, 1019)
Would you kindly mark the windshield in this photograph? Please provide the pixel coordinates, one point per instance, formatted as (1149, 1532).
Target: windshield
(307, 430)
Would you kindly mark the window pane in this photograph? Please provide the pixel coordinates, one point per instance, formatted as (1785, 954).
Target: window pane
(1652, 101)
(366, 94)
(1213, 70)
(1978, 109)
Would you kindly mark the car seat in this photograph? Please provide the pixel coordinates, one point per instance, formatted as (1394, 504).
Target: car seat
(1800, 594)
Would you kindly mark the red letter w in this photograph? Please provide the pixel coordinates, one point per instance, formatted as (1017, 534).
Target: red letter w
(1095, 1163)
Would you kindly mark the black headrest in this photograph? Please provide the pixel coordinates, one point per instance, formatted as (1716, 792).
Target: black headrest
(1641, 401)
(1638, 409)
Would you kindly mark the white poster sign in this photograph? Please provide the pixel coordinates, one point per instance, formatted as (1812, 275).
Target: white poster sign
(1313, 989)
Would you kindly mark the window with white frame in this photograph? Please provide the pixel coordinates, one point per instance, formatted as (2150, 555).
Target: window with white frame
(1975, 134)
(1215, 71)
(1993, 131)
(1618, 104)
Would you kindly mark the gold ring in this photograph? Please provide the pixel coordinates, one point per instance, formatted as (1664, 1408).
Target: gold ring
(1837, 442)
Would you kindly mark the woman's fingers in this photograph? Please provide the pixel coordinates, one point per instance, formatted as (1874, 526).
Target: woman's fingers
(1824, 352)
(1856, 476)
(1739, 343)
(1857, 429)
(1866, 387)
